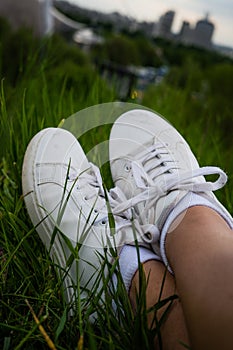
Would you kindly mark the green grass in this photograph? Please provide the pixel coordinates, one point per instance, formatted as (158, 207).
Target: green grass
(28, 279)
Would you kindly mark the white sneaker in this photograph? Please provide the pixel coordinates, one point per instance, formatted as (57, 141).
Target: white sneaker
(66, 202)
(155, 168)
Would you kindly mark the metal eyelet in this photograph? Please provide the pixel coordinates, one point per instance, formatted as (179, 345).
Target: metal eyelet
(127, 168)
(148, 237)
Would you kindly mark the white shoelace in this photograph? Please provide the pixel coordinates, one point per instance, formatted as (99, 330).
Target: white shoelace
(95, 191)
(115, 197)
(156, 173)
(146, 171)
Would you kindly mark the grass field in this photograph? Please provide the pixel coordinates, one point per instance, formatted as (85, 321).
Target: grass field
(28, 282)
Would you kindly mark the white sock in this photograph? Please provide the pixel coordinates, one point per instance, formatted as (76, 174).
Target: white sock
(190, 200)
(128, 262)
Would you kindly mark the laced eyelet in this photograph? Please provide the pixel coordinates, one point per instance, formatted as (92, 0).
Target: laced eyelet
(127, 168)
(158, 156)
(164, 164)
(148, 237)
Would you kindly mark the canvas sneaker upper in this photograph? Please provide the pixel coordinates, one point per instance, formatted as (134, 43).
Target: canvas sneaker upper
(155, 168)
(66, 202)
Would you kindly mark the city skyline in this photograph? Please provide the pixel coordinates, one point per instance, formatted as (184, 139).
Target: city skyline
(220, 11)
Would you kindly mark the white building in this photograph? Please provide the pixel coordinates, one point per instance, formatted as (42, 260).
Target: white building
(34, 14)
(163, 27)
(200, 35)
(203, 33)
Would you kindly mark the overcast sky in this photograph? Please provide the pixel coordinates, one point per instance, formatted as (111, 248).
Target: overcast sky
(220, 12)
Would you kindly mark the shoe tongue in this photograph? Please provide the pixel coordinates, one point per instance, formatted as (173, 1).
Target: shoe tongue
(165, 205)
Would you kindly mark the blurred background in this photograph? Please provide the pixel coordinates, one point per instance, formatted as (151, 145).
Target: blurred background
(61, 56)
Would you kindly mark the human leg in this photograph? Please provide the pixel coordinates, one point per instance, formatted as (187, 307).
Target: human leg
(173, 330)
(199, 250)
(154, 166)
(160, 296)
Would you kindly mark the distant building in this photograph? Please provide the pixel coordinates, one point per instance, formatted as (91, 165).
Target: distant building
(147, 28)
(163, 27)
(186, 33)
(203, 33)
(34, 14)
(199, 36)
